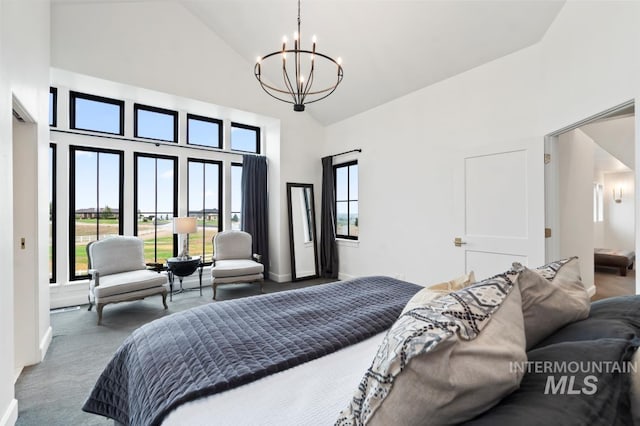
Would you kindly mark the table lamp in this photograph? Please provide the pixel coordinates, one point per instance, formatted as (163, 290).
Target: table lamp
(185, 226)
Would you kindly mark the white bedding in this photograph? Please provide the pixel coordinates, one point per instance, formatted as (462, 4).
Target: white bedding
(312, 393)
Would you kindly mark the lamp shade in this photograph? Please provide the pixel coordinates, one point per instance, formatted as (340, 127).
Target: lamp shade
(185, 225)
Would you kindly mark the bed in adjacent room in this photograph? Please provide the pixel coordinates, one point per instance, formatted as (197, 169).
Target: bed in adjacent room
(342, 352)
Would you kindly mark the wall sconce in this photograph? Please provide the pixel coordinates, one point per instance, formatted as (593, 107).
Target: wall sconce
(185, 226)
(617, 194)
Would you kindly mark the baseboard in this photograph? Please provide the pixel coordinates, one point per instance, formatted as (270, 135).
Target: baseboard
(343, 277)
(279, 278)
(10, 415)
(45, 342)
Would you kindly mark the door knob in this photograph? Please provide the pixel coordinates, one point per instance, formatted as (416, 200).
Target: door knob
(458, 242)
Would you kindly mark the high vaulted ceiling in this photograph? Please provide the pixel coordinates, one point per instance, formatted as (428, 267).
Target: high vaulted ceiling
(389, 48)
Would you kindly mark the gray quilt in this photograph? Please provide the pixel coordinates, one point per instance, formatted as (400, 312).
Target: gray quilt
(222, 345)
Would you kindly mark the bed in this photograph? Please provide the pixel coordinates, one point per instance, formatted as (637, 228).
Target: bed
(621, 259)
(296, 357)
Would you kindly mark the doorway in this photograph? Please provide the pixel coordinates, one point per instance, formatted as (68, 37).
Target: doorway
(590, 198)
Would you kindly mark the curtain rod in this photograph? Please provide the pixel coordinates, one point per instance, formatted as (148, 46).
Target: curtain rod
(347, 152)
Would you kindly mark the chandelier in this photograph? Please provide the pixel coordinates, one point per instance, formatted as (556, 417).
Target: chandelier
(299, 74)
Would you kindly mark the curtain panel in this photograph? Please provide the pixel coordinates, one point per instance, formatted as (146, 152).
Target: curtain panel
(328, 246)
(254, 218)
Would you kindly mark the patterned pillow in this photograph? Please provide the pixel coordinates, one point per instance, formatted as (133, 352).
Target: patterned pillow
(435, 291)
(447, 361)
(552, 296)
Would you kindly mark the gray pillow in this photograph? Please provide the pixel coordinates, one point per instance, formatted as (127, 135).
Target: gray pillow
(447, 361)
(552, 296)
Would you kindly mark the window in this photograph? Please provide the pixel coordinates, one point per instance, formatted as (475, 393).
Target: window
(245, 138)
(95, 201)
(52, 213)
(53, 105)
(156, 204)
(346, 178)
(204, 131)
(236, 195)
(155, 123)
(95, 113)
(598, 202)
(204, 202)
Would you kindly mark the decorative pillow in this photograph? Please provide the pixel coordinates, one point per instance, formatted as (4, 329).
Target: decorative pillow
(435, 291)
(447, 361)
(635, 388)
(552, 296)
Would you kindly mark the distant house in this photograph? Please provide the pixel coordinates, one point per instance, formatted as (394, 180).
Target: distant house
(91, 213)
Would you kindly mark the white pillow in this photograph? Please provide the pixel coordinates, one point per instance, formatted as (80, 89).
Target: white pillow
(435, 291)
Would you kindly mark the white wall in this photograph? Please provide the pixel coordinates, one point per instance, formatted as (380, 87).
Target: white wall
(409, 145)
(162, 46)
(24, 73)
(619, 224)
(575, 199)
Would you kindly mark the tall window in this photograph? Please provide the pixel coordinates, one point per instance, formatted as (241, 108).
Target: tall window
(204, 202)
(95, 201)
(96, 113)
(236, 195)
(53, 106)
(204, 131)
(346, 178)
(155, 123)
(155, 204)
(52, 213)
(245, 138)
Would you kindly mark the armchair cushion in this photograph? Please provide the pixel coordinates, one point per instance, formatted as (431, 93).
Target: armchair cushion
(126, 282)
(117, 254)
(236, 268)
(232, 245)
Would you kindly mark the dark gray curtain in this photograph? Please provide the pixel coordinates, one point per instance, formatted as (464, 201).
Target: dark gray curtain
(328, 246)
(254, 218)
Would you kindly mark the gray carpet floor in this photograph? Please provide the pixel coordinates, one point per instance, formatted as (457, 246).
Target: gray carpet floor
(52, 392)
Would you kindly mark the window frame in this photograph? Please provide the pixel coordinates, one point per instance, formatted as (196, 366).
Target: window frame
(72, 202)
(54, 113)
(231, 212)
(220, 199)
(175, 160)
(73, 95)
(219, 122)
(246, 127)
(348, 200)
(54, 202)
(137, 107)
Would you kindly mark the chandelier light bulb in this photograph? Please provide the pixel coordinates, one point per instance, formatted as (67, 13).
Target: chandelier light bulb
(339, 61)
(314, 39)
(258, 59)
(295, 35)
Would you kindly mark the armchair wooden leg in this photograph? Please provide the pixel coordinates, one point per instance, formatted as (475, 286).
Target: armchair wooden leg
(164, 300)
(261, 288)
(215, 286)
(90, 303)
(99, 308)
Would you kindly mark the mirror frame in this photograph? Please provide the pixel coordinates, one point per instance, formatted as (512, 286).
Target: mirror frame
(294, 277)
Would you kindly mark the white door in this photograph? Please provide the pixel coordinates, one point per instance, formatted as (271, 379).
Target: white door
(500, 206)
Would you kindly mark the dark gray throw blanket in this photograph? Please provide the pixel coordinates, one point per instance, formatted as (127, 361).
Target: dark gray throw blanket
(218, 346)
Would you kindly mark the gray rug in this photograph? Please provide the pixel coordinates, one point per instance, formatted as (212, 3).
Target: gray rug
(52, 392)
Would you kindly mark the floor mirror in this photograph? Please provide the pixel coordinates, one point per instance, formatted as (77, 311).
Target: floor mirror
(302, 231)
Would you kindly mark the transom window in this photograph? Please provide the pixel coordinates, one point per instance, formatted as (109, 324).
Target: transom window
(155, 123)
(346, 180)
(96, 113)
(245, 138)
(204, 131)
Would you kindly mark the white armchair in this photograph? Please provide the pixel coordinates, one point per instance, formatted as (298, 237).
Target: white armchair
(118, 273)
(233, 262)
